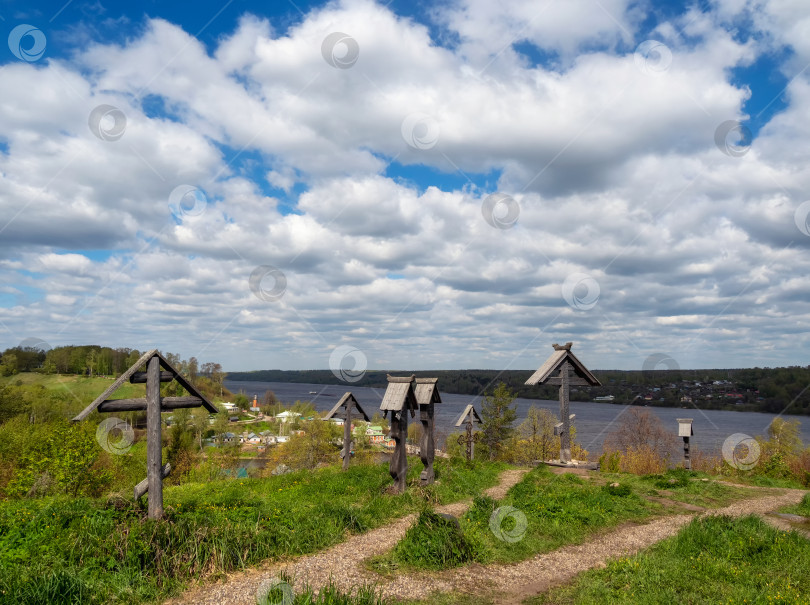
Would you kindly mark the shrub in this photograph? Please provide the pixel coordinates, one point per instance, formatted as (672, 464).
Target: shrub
(434, 543)
(610, 462)
(620, 489)
(641, 460)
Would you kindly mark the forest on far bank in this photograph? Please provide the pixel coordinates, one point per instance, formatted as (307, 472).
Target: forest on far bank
(772, 390)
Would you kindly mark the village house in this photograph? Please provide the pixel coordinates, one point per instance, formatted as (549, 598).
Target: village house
(375, 434)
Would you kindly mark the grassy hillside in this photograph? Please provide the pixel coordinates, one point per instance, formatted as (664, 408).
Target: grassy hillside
(81, 389)
(80, 550)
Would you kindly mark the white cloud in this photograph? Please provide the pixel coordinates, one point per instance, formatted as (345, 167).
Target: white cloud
(615, 172)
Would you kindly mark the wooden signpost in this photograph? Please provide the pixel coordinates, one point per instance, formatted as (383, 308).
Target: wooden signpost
(468, 416)
(399, 398)
(685, 431)
(343, 409)
(427, 395)
(154, 405)
(569, 372)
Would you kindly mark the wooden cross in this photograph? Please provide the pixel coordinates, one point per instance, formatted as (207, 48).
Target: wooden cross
(399, 398)
(571, 373)
(346, 403)
(154, 405)
(468, 416)
(427, 395)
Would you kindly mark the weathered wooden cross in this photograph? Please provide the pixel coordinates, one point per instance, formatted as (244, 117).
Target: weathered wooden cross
(571, 373)
(153, 404)
(399, 398)
(468, 416)
(427, 395)
(343, 409)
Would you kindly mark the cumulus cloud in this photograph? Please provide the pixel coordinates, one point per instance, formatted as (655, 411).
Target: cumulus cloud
(305, 169)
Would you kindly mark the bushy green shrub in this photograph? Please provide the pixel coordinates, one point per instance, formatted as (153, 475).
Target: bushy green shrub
(434, 543)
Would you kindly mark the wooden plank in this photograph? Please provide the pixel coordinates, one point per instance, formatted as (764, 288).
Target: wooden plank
(565, 434)
(143, 486)
(154, 444)
(572, 381)
(398, 467)
(140, 404)
(347, 435)
(188, 386)
(115, 385)
(427, 446)
(140, 377)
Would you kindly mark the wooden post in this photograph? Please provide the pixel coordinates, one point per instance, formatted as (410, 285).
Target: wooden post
(565, 433)
(687, 463)
(398, 468)
(470, 442)
(347, 436)
(143, 486)
(427, 448)
(154, 444)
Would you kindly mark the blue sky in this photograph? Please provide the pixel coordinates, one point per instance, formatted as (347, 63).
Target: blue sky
(432, 185)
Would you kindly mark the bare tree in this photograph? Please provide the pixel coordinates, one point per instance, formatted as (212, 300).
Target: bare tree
(642, 429)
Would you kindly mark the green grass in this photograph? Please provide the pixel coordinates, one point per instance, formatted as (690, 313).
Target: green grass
(712, 560)
(60, 550)
(434, 543)
(558, 510)
(682, 486)
(80, 389)
(802, 508)
(546, 511)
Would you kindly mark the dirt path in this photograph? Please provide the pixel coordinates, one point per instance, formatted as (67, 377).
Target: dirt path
(511, 583)
(560, 566)
(342, 562)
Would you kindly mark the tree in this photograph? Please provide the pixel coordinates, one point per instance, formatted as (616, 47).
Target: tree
(193, 369)
(8, 365)
(90, 361)
(317, 444)
(497, 416)
(241, 401)
(784, 436)
(199, 421)
(180, 452)
(537, 435)
(641, 430)
(415, 433)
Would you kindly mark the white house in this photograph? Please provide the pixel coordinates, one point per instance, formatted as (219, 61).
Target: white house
(287, 416)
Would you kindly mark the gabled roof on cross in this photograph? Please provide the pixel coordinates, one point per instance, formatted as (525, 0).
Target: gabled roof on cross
(562, 353)
(192, 391)
(470, 409)
(399, 394)
(344, 402)
(426, 391)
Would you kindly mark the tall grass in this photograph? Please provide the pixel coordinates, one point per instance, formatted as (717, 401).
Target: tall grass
(542, 512)
(61, 550)
(712, 560)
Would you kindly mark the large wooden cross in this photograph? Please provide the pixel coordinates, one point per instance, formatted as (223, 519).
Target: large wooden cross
(570, 372)
(343, 409)
(154, 405)
(399, 398)
(468, 416)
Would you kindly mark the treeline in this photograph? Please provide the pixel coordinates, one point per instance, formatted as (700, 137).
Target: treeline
(771, 390)
(92, 361)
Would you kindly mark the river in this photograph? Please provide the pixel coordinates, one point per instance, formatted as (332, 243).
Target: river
(593, 421)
